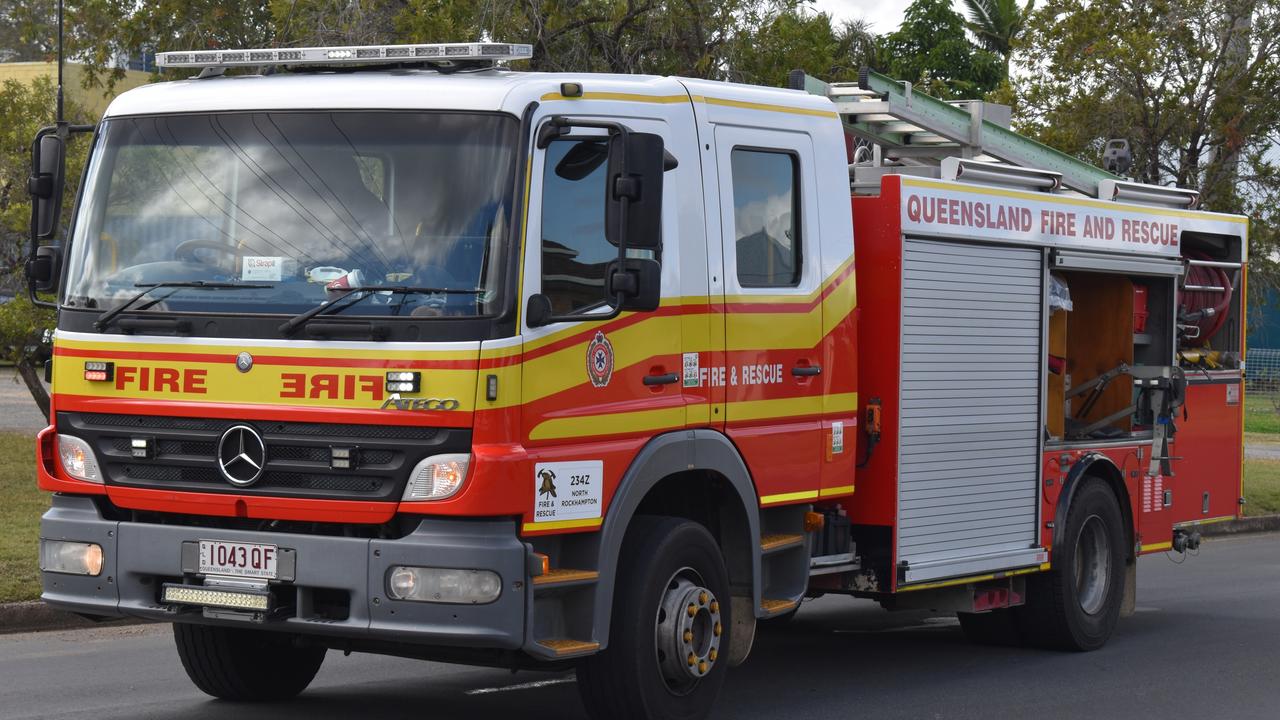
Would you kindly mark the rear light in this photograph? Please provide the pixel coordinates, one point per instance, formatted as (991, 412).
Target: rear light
(437, 477)
(70, 558)
(78, 459)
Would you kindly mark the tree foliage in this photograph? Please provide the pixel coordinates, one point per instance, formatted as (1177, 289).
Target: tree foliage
(997, 23)
(24, 109)
(1192, 84)
(931, 50)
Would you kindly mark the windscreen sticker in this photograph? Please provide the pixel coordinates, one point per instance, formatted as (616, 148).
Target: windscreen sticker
(568, 490)
(262, 268)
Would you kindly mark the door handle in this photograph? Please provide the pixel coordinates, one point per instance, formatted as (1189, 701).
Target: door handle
(806, 370)
(666, 379)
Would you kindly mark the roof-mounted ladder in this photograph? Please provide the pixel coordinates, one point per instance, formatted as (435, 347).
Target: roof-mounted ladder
(916, 129)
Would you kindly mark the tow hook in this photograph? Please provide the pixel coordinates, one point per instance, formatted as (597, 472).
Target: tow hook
(1184, 541)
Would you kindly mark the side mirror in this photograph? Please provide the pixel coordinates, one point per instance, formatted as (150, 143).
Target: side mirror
(48, 161)
(44, 268)
(638, 282)
(538, 311)
(636, 164)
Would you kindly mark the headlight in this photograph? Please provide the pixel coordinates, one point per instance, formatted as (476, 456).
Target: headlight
(78, 459)
(444, 585)
(72, 558)
(437, 477)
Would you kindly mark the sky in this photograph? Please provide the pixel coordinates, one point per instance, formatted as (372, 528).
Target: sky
(884, 15)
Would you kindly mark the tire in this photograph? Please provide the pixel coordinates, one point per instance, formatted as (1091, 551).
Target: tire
(245, 665)
(1075, 605)
(665, 563)
(997, 627)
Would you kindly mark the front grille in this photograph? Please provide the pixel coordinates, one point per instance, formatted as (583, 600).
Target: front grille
(184, 454)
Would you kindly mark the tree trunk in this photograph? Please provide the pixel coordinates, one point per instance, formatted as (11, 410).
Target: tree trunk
(31, 376)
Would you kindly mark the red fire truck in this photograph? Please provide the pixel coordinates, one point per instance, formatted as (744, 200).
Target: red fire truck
(403, 352)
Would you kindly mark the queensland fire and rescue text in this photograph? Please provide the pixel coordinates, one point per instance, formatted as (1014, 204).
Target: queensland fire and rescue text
(1073, 223)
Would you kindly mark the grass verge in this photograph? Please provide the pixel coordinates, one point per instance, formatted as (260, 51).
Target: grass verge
(1261, 414)
(21, 505)
(1262, 487)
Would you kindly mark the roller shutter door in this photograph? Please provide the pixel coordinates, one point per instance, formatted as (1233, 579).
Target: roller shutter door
(970, 422)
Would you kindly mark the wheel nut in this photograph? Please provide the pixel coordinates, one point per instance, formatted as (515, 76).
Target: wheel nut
(702, 667)
(692, 660)
(702, 598)
(718, 630)
(712, 655)
(688, 636)
(715, 606)
(693, 609)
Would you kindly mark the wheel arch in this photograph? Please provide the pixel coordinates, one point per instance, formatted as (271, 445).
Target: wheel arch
(1095, 465)
(674, 461)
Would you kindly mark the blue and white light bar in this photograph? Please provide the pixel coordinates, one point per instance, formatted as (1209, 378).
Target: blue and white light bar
(346, 55)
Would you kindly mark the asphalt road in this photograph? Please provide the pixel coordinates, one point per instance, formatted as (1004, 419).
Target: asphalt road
(1204, 643)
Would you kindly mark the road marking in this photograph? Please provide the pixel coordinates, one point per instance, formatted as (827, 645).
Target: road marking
(522, 686)
(933, 623)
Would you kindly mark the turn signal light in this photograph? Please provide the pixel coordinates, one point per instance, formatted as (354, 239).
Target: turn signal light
(98, 371)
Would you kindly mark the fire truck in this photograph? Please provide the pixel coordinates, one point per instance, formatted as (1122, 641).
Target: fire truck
(395, 350)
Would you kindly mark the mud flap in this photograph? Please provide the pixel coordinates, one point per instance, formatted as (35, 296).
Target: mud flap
(743, 634)
(1129, 602)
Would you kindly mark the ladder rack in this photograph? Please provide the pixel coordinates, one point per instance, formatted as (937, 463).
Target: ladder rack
(920, 130)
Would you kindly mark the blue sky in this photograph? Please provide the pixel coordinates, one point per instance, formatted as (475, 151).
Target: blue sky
(884, 15)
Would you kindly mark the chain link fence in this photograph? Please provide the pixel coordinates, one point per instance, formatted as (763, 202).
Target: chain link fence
(1263, 370)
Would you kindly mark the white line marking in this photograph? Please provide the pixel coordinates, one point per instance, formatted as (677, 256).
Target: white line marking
(522, 686)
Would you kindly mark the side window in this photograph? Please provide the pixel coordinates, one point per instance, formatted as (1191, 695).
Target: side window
(575, 253)
(766, 216)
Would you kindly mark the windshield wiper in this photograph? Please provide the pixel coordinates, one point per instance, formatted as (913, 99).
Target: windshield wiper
(105, 319)
(356, 294)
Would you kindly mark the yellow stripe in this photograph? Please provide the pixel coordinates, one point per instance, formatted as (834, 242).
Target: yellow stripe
(671, 99)
(974, 579)
(787, 407)
(1208, 521)
(562, 524)
(842, 490)
(765, 106)
(1156, 546)
(619, 97)
(1083, 202)
(609, 424)
(789, 497)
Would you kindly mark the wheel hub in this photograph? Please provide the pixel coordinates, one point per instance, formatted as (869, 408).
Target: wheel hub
(1093, 565)
(689, 630)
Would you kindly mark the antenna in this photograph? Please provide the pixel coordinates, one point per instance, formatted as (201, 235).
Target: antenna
(61, 118)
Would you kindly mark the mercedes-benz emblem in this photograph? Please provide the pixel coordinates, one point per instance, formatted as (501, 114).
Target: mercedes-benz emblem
(241, 455)
(244, 361)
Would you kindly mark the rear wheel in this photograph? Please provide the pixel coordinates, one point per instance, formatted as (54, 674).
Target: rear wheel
(669, 637)
(246, 665)
(1075, 605)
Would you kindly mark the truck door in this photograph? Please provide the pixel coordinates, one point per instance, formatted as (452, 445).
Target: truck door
(773, 321)
(593, 390)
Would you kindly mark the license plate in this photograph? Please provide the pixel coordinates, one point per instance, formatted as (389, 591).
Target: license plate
(235, 559)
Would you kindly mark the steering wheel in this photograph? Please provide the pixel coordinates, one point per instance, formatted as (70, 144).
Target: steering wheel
(186, 251)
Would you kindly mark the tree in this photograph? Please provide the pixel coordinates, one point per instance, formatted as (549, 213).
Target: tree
(793, 39)
(1192, 84)
(23, 110)
(997, 24)
(931, 50)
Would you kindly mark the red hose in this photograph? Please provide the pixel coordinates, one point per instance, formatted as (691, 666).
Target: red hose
(1200, 300)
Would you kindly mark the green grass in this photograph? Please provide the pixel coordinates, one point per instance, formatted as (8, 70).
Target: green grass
(21, 505)
(1262, 487)
(1260, 415)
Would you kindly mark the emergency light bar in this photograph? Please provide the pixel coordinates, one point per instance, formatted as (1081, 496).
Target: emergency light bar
(362, 54)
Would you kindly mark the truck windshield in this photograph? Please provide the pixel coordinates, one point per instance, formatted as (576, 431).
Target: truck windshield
(293, 208)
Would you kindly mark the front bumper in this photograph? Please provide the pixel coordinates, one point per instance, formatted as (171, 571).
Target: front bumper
(139, 558)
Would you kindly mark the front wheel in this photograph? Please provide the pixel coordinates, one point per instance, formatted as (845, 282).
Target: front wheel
(245, 665)
(1075, 605)
(669, 634)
